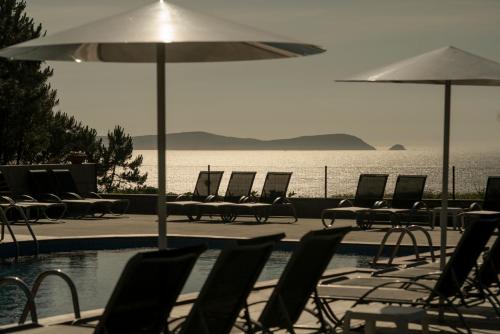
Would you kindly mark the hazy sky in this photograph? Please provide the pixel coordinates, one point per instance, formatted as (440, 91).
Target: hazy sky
(286, 98)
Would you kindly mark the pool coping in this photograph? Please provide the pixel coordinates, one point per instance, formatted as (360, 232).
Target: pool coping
(49, 245)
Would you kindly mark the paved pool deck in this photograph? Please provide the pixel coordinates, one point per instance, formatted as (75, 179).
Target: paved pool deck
(480, 318)
(132, 224)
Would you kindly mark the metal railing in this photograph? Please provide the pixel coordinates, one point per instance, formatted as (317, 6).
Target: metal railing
(331, 181)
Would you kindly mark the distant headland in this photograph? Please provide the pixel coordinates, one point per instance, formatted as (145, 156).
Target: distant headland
(209, 141)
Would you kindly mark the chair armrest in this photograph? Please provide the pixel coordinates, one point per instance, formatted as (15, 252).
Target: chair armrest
(7, 200)
(344, 203)
(251, 199)
(281, 200)
(25, 198)
(380, 204)
(48, 197)
(70, 195)
(419, 205)
(182, 197)
(93, 194)
(475, 206)
(212, 198)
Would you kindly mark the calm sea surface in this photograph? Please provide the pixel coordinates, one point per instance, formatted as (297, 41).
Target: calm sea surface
(308, 167)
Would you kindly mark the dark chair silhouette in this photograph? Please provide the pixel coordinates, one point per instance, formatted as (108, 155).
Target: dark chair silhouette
(370, 191)
(439, 289)
(238, 189)
(406, 200)
(142, 299)
(33, 209)
(227, 287)
(207, 187)
(272, 197)
(68, 189)
(44, 188)
(297, 283)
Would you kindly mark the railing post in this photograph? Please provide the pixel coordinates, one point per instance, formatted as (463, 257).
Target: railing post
(326, 181)
(453, 182)
(208, 181)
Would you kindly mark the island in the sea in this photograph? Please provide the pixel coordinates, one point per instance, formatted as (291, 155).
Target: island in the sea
(397, 147)
(208, 141)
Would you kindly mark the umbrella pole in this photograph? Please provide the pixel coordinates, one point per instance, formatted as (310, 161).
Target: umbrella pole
(161, 144)
(446, 162)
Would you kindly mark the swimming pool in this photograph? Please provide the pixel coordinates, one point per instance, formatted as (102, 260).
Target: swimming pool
(95, 274)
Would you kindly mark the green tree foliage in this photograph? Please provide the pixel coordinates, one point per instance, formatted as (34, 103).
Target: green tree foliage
(68, 135)
(32, 132)
(117, 169)
(26, 98)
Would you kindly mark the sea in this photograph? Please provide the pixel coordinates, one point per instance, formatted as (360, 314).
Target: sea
(327, 173)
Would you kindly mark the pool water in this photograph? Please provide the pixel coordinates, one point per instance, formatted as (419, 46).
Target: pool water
(95, 274)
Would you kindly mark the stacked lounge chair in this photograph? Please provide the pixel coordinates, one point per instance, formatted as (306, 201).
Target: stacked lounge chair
(437, 289)
(44, 188)
(272, 197)
(406, 200)
(369, 193)
(67, 186)
(207, 187)
(31, 208)
(238, 189)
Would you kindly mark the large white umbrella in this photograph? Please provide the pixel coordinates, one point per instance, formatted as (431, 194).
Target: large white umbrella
(446, 66)
(157, 33)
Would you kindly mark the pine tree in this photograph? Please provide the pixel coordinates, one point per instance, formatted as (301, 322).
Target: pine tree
(26, 98)
(116, 168)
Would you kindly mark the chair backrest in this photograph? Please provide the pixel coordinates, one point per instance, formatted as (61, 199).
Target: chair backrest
(65, 181)
(490, 269)
(147, 291)
(42, 182)
(409, 189)
(492, 194)
(228, 285)
(240, 184)
(371, 188)
(208, 183)
(464, 258)
(4, 186)
(300, 276)
(275, 185)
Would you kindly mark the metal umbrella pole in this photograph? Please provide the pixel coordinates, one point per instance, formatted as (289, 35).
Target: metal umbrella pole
(160, 135)
(446, 163)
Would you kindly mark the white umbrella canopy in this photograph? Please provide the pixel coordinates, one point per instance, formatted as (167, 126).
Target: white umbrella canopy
(133, 36)
(445, 66)
(157, 33)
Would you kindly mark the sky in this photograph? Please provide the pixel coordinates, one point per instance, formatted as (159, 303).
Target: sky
(294, 97)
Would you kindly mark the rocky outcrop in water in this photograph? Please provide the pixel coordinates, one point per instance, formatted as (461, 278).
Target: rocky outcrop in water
(397, 147)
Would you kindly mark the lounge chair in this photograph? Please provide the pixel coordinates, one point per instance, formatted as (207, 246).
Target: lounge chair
(142, 299)
(273, 196)
(207, 187)
(32, 209)
(227, 287)
(491, 201)
(44, 188)
(67, 186)
(238, 188)
(406, 200)
(298, 281)
(370, 191)
(420, 290)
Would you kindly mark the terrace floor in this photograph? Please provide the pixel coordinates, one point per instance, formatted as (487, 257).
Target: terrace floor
(481, 318)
